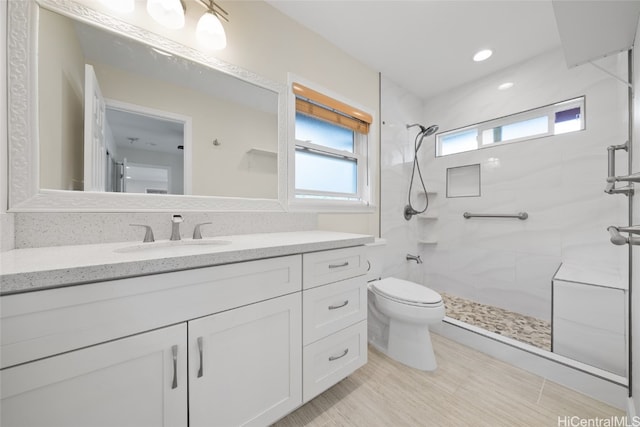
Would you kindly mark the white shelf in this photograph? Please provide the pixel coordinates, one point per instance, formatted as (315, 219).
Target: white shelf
(428, 242)
(262, 151)
(428, 217)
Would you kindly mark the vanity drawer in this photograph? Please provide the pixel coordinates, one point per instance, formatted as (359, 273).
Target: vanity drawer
(39, 324)
(320, 268)
(332, 359)
(332, 307)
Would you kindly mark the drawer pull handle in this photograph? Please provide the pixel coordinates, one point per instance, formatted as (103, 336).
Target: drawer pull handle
(174, 353)
(344, 353)
(335, 307)
(200, 369)
(344, 264)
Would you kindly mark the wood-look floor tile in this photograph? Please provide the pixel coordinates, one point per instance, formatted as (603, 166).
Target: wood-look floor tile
(562, 401)
(469, 388)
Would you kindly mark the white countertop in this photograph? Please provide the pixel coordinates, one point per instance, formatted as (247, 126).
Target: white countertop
(32, 269)
(590, 275)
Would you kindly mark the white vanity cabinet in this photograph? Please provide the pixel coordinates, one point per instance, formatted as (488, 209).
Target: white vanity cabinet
(245, 364)
(135, 381)
(236, 344)
(334, 302)
(66, 362)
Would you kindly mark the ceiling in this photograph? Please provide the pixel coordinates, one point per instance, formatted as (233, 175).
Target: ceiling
(427, 46)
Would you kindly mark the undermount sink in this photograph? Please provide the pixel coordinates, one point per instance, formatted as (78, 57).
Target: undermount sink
(173, 246)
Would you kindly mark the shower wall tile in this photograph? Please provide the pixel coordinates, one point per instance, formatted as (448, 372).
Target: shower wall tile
(399, 108)
(558, 181)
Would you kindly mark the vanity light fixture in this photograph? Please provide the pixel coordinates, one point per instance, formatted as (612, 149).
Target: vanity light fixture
(121, 6)
(482, 55)
(209, 30)
(168, 13)
(505, 86)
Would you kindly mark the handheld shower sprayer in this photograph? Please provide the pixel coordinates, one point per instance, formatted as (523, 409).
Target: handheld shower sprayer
(423, 132)
(409, 210)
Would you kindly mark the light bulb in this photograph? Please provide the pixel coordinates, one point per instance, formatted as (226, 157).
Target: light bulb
(505, 86)
(122, 6)
(210, 31)
(482, 55)
(168, 13)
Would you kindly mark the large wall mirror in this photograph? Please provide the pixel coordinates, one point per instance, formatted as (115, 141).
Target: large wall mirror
(107, 116)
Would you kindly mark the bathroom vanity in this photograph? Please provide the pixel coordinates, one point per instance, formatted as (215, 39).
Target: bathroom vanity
(245, 332)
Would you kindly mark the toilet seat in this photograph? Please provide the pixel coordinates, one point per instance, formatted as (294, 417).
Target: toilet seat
(405, 292)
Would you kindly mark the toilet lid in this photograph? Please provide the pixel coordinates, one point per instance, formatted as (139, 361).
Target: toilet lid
(403, 290)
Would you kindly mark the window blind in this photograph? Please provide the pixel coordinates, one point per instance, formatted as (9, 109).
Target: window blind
(316, 104)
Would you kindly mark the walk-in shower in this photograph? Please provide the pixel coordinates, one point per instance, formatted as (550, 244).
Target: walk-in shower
(409, 210)
(515, 235)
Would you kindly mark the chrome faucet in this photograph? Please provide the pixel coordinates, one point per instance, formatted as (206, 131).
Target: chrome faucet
(175, 227)
(415, 258)
(148, 235)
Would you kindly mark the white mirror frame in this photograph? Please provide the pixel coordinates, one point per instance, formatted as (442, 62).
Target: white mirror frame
(23, 142)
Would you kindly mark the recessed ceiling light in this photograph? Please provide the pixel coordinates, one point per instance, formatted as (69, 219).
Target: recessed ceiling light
(505, 86)
(482, 55)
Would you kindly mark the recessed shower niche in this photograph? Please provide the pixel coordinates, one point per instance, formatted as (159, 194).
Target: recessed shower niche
(463, 181)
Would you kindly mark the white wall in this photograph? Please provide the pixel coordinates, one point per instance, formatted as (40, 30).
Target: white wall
(558, 180)
(399, 108)
(60, 103)
(7, 238)
(635, 282)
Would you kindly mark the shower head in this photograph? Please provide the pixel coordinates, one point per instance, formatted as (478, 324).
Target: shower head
(423, 130)
(429, 131)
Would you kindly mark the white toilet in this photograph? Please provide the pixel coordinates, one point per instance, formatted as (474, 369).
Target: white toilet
(399, 313)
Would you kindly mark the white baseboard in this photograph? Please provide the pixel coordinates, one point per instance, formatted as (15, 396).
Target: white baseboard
(598, 384)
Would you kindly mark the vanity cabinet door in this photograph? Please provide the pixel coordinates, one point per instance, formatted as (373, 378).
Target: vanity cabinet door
(245, 364)
(136, 381)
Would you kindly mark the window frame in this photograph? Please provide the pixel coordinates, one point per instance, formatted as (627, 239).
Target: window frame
(362, 200)
(548, 110)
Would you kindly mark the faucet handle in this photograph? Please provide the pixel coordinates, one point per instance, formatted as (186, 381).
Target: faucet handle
(148, 235)
(196, 231)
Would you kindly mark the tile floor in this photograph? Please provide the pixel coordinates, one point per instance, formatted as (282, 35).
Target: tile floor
(469, 388)
(514, 325)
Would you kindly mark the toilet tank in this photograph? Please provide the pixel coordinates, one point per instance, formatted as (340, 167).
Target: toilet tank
(375, 256)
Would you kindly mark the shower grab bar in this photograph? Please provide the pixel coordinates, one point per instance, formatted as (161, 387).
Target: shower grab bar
(611, 172)
(635, 177)
(520, 215)
(611, 151)
(619, 239)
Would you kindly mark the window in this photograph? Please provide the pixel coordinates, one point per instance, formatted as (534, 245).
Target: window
(563, 117)
(330, 161)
